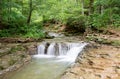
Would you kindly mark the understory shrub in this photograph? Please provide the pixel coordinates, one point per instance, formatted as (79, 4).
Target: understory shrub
(76, 24)
(29, 31)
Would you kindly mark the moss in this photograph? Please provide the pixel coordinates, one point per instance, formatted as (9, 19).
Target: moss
(106, 41)
(17, 48)
(22, 56)
(116, 43)
(103, 41)
(1, 67)
(111, 42)
(90, 38)
(12, 62)
(3, 53)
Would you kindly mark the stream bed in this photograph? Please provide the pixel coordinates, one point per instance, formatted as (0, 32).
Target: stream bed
(51, 61)
(41, 68)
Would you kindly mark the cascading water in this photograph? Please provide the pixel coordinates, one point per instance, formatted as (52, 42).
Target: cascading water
(41, 49)
(51, 49)
(50, 62)
(65, 51)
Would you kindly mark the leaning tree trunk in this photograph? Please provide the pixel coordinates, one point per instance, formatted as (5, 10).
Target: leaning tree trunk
(30, 12)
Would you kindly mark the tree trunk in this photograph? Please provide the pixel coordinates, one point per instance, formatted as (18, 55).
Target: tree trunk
(99, 9)
(22, 6)
(1, 10)
(91, 8)
(30, 12)
(82, 1)
(9, 10)
(102, 9)
(76, 2)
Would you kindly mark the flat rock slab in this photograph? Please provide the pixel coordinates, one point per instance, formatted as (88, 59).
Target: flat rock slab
(18, 40)
(98, 63)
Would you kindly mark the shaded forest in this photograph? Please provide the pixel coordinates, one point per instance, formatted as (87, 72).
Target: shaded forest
(27, 18)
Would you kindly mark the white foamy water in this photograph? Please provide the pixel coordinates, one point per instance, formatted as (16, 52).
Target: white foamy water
(41, 48)
(63, 51)
(51, 49)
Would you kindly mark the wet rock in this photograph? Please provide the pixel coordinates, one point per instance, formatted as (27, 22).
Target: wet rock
(32, 50)
(15, 56)
(18, 40)
(51, 35)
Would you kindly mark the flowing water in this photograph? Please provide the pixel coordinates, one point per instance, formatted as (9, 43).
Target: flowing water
(50, 62)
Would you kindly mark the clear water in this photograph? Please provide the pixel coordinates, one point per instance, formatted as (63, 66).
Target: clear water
(49, 66)
(41, 68)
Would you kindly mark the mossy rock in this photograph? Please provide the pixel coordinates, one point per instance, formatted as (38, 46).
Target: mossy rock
(1, 67)
(116, 43)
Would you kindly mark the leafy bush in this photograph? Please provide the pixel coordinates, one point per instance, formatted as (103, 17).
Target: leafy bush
(32, 31)
(116, 20)
(76, 24)
(97, 21)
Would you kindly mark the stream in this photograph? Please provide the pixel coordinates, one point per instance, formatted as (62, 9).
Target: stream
(50, 64)
(41, 68)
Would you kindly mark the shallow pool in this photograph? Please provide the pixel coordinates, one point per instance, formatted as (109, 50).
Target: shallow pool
(41, 68)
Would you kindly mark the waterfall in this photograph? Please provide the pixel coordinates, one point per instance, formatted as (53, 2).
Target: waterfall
(41, 48)
(51, 61)
(66, 51)
(51, 49)
(73, 53)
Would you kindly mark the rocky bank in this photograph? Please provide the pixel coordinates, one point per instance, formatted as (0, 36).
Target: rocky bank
(14, 55)
(99, 61)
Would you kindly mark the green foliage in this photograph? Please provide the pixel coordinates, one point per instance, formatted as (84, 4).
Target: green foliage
(106, 14)
(116, 20)
(59, 10)
(14, 20)
(14, 15)
(76, 24)
(32, 31)
(98, 21)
